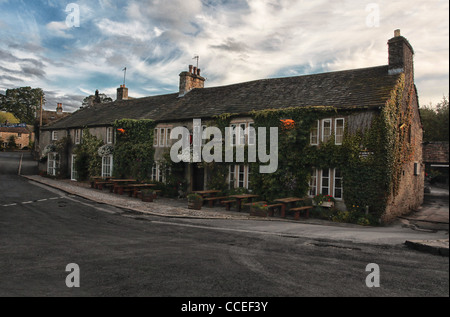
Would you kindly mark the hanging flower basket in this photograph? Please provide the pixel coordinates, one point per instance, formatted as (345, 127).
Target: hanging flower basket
(106, 150)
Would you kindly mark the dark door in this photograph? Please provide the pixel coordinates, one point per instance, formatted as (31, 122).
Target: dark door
(199, 177)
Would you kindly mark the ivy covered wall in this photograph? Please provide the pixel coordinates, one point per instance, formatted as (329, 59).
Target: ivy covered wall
(377, 145)
(133, 151)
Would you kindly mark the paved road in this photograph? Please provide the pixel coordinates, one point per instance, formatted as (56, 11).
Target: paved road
(123, 254)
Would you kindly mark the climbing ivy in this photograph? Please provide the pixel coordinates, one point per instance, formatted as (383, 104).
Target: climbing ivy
(133, 151)
(87, 162)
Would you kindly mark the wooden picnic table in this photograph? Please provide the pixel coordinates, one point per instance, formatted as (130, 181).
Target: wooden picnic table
(286, 202)
(240, 197)
(118, 185)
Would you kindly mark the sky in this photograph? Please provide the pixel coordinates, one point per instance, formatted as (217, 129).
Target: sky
(72, 48)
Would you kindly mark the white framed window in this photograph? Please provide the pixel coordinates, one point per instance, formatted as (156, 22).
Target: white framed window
(314, 134)
(73, 171)
(109, 135)
(241, 132)
(54, 135)
(155, 137)
(337, 184)
(326, 129)
(325, 182)
(168, 131)
(239, 176)
(162, 137)
(53, 163)
(231, 176)
(313, 183)
(339, 125)
(158, 173)
(107, 166)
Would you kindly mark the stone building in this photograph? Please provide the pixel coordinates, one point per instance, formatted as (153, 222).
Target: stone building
(48, 116)
(22, 134)
(357, 97)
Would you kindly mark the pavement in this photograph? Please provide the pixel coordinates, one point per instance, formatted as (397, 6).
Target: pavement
(432, 217)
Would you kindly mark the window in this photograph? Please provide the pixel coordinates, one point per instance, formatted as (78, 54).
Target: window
(248, 178)
(54, 135)
(325, 182)
(233, 135)
(109, 135)
(53, 164)
(155, 137)
(231, 178)
(314, 135)
(338, 184)
(242, 134)
(74, 173)
(251, 134)
(168, 136)
(239, 176)
(162, 137)
(158, 173)
(313, 183)
(107, 166)
(339, 130)
(326, 130)
(19, 135)
(77, 136)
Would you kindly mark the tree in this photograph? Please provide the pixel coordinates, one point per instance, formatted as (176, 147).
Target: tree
(435, 121)
(12, 142)
(7, 116)
(23, 103)
(95, 99)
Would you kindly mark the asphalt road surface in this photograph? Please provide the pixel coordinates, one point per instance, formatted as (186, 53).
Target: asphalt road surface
(121, 253)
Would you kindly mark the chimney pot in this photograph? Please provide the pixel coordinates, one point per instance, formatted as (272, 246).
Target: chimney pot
(190, 68)
(198, 71)
(195, 70)
(397, 33)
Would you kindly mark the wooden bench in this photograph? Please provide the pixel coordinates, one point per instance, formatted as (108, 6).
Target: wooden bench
(211, 200)
(99, 185)
(297, 211)
(228, 203)
(272, 208)
(256, 202)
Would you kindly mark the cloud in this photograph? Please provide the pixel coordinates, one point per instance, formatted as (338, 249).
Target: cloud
(236, 40)
(58, 29)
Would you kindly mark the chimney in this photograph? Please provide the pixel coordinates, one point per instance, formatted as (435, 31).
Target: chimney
(190, 80)
(122, 93)
(59, 108)
(401, 55)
